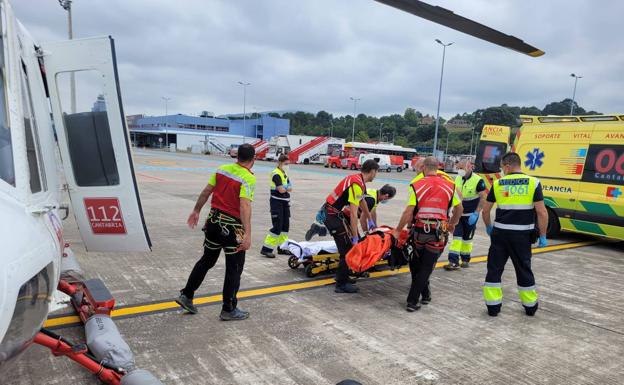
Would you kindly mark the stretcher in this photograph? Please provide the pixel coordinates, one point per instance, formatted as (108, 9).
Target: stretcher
(320, 257)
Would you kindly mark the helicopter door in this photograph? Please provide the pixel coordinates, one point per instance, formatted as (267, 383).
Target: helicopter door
(93, 140)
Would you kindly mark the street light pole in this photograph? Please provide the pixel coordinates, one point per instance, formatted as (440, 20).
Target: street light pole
(435, 136)
(66, 4)
(471, 139)
(447, 138)
(331, 127)
(576, 78)
(380, 127)
(244, 107)
(355, 100)
(166, 99)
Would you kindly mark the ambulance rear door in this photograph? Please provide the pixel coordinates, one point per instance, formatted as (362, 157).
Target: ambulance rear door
(94, 144)
(493, 144)
(601, 197)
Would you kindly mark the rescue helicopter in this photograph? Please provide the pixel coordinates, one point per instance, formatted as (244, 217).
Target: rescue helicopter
(53, 143)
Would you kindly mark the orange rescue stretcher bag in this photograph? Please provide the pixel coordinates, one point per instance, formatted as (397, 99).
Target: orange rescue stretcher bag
(377, 245)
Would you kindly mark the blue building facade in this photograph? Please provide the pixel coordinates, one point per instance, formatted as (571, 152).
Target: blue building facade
(264, 127)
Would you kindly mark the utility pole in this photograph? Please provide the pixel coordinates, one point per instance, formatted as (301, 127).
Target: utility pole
(244, 107)
(380, 127)
(66, 4)
(355, 100)
(576, 78)
(166, 99)
(435, 137)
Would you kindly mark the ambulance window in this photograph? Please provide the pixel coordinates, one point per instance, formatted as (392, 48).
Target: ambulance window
(489, 155)
(604, 164)
(86, 126)
(33, 151)
(7, 169)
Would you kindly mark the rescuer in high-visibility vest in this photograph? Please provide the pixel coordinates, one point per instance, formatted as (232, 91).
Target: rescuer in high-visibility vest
(419, 167)
(279, 202)
(518, 198)
(373, 198)
(473, 193)
(349, 192)
(430, 200)
(227, 227)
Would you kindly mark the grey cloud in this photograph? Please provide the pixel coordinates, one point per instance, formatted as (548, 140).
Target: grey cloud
(314, 54)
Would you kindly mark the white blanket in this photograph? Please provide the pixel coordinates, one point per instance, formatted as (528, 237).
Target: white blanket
(307, 249)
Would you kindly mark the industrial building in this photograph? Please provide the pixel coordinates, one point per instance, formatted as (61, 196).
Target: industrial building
(203, 133)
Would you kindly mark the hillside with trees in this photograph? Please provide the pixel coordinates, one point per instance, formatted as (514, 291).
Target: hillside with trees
(413, 129)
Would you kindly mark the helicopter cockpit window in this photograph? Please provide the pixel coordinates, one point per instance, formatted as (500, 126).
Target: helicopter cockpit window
(7, 169)
(87, 128)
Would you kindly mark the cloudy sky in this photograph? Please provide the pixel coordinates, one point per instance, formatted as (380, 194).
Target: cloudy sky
(314, 54)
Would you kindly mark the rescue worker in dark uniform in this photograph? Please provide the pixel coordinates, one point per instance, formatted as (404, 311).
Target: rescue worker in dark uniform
(350, 191)
(472, 189)
(228, 227)
(430, 200)
(280, 208)
(519, 198)
(373, 197)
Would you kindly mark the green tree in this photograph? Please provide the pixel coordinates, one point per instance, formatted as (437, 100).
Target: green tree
(562, 108)
(362, 136)
(412, 117)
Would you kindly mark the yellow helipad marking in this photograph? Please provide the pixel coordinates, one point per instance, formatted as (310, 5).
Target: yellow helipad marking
(251, 293)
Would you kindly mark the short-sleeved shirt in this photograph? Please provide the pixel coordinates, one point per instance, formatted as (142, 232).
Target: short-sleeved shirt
(470, 206)
(276, 179)
(516, 217)
(230, 183)
(371, 203)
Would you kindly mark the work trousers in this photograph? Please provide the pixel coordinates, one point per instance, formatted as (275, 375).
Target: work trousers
(517, 246)
(221, 232)
(427, 248)
(280, 219)
(338, 226)
(461, 245)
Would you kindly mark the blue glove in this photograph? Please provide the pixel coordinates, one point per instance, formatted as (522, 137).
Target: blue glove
(371, 224)
(355, 239)
(473, 218)
(543, 242)
(488, 229)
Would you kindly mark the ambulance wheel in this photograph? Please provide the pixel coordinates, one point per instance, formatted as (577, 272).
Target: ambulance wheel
(353, 166)
(554, 227)
(389, 169)
(333, 165)
(308, 271)
(293, 262)
(400, 169)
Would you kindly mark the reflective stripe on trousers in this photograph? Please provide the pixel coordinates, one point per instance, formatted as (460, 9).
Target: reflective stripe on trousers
(493, 293)
(528, 295)
(274, 240)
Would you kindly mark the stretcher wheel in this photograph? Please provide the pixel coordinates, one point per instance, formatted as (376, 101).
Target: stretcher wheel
(308, 271)
(293, 262)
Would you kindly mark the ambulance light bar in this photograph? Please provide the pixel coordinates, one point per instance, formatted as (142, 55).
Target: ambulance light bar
(604, 118)
(557, 119)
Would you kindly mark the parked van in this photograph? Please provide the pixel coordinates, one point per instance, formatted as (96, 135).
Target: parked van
(384, 161)
(579, 161)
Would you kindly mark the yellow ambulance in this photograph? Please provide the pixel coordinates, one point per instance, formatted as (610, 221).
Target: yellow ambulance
(579, 161)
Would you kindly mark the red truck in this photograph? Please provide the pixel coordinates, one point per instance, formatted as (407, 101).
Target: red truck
(347, 158)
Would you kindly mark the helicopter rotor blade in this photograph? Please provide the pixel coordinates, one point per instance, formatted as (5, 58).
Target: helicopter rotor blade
(449, 19)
